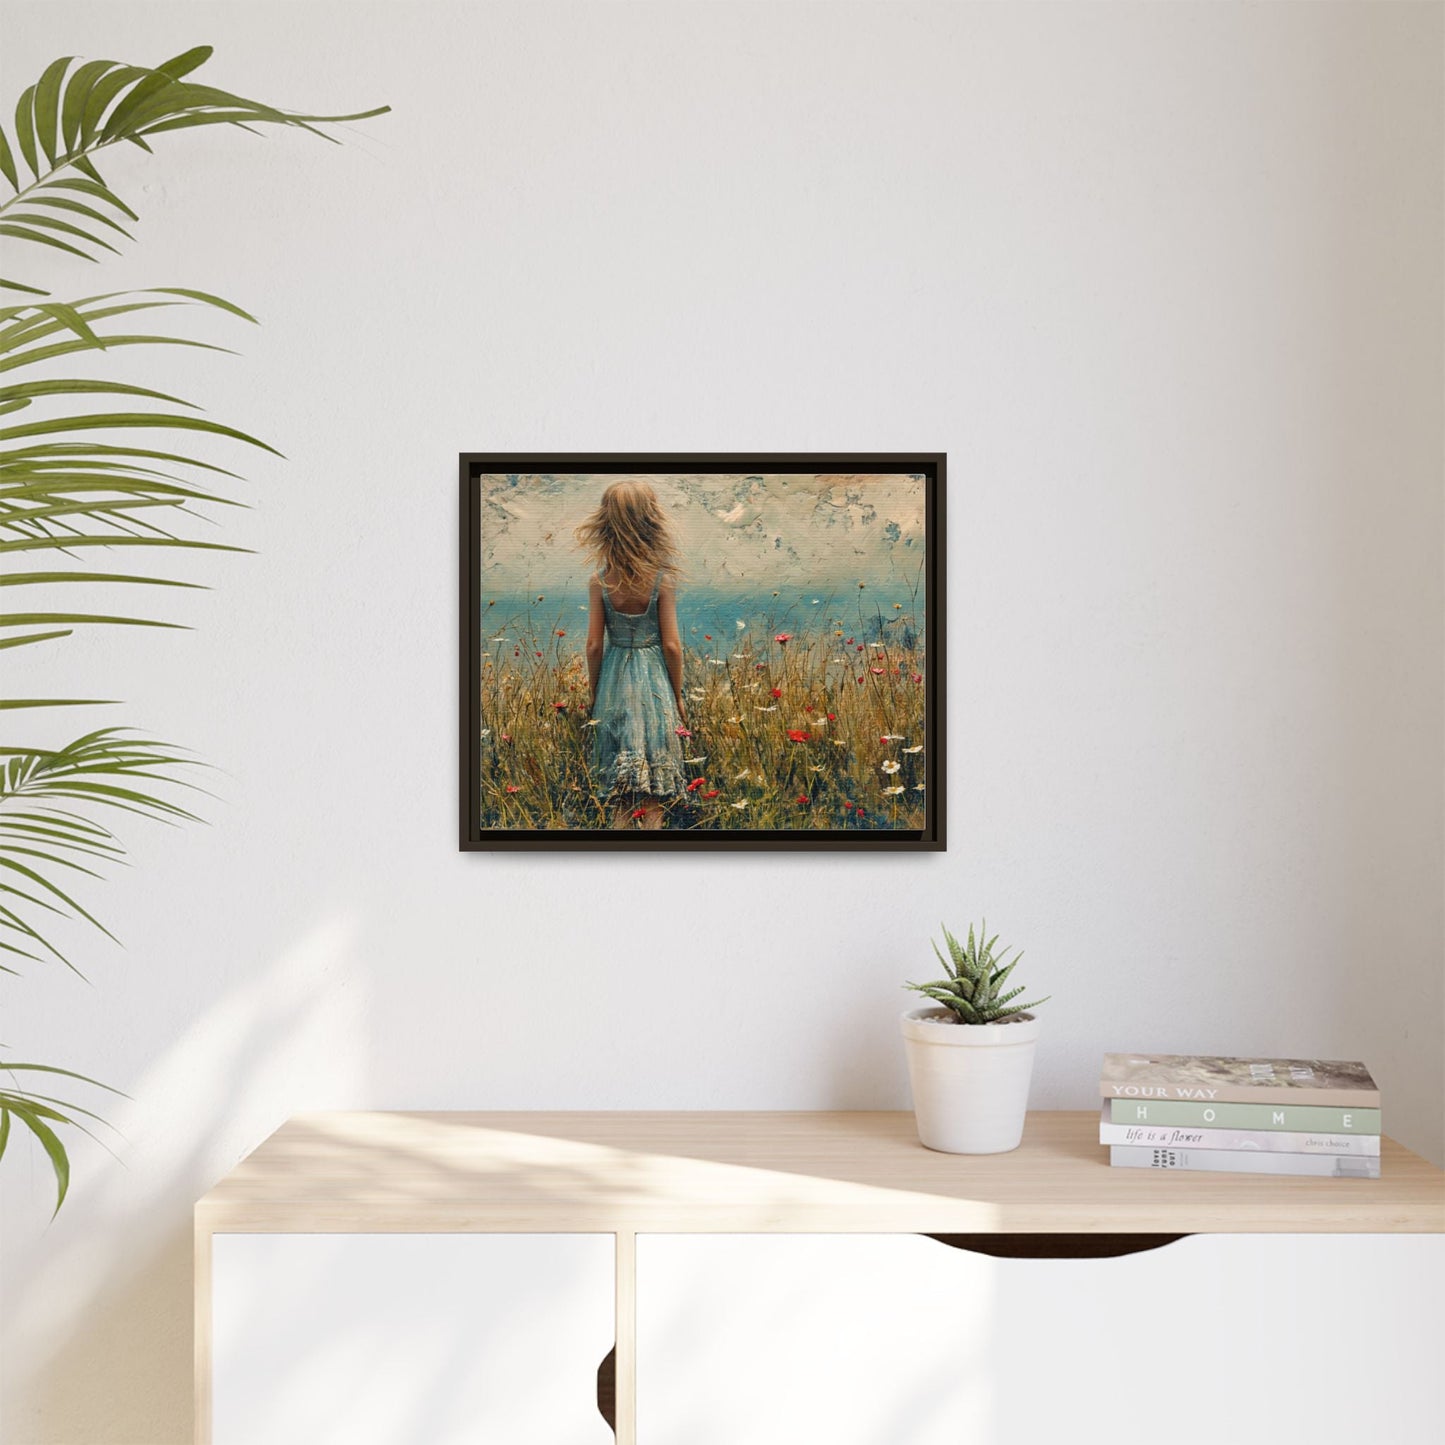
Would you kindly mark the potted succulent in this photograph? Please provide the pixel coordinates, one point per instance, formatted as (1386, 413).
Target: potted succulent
(970, 1058)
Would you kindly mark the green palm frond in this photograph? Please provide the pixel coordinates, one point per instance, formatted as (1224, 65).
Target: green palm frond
(88, 466)
(66, 494)
(40, 793)
(974, 990)
(40, 1113)
(74, 111)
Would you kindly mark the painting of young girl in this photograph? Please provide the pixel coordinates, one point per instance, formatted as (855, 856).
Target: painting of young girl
(634, 655)
(702, 651)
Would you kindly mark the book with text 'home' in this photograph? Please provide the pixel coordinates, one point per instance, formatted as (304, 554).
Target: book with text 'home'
(1300, 1118)
(1210, 1078)
(1236, 1161)
(1266, 1141)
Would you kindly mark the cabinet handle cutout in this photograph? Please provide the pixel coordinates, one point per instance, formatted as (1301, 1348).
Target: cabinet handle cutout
(1056, 1246)
(607, 1389)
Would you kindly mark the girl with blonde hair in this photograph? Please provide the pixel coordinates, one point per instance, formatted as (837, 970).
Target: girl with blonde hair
(634, 654)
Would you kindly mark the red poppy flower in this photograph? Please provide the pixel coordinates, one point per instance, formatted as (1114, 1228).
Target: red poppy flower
(561, 632)
(849, 643)
(683, 732)
(560, 706)
(860, 682)
(707, 637)
(696, 783)
(710, 794)
(513, 788)
(795, 736)
(859, 810)
(807, 707)
(783, 638)
(917, 677)
(539, 654)
(760, 666)
(506, 737)
(777, 692)
(516, 652)
(876, 671)
(832, 717)
(803, 802)
(860, 647)
(639, 812)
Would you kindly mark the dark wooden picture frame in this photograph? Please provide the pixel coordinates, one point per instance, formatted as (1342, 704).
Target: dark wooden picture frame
(474, 466)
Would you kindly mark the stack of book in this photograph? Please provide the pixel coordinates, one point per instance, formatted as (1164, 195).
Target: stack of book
(1246, 1116)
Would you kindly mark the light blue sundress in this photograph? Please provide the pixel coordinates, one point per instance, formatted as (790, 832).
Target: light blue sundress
(635, 748)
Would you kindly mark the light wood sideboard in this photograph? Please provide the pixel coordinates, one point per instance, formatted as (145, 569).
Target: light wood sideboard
(428, 1277)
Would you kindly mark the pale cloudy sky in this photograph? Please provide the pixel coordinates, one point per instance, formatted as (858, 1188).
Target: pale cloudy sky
(795, 530)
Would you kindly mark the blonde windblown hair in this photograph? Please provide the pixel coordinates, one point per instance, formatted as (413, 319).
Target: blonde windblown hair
(629, 538)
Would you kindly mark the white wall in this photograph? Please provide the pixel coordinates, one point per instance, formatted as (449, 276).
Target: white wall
(1163, 280)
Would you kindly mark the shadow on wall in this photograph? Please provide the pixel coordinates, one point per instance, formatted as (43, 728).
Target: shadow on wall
(79, 1310)
(866, 1062)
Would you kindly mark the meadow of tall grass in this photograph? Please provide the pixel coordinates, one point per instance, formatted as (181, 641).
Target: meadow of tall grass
(815, 724)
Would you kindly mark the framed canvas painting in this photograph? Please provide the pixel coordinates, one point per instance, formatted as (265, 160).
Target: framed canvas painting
(732, 650)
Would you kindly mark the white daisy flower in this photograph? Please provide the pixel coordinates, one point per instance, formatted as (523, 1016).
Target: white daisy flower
(486, 732)
(590, 723)
(890, 766)
(839, 743)
(893, 737)
(741, 626)
(917, 749)
(741, 803)
(746, 773)
(878, 645)
(717, 662)
(918, 787)
(892, 791)
(702, 759)
(773, 708)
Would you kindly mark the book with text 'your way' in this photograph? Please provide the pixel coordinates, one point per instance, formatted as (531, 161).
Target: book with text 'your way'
(1211, 1078)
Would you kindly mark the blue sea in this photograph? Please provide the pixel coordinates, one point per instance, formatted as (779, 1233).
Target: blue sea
(723, 615)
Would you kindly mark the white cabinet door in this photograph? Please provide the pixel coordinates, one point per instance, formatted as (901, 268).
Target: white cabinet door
(900, 1340)
(410, 1339)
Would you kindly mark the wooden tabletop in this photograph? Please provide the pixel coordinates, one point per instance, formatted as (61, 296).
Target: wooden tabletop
(827, 1172)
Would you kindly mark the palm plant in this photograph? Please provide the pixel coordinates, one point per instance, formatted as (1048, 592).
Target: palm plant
(76, 482)
(974, 987)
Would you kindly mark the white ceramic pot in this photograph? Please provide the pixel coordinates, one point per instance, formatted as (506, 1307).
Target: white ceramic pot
(970, 1081)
